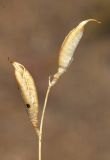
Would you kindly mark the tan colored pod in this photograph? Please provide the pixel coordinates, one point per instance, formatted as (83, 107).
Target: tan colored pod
(68, 48)
(69, 45)
(28, 91)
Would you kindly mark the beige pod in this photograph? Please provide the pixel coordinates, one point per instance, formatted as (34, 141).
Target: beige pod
(69, 45)
(28, 91)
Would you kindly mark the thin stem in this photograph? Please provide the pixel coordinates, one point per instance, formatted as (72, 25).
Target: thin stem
(42, 121)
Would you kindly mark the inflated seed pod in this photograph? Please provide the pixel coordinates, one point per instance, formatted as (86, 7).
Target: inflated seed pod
(68, 48)
(70, 43)
(28, 91)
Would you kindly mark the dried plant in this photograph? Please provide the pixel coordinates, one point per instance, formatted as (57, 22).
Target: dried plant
(27, 85)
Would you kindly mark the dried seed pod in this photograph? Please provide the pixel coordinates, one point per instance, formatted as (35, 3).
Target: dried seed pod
(28, 91)
(70, 43)
(68, 48)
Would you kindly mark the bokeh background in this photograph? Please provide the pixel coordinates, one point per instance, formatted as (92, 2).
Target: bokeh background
(77, 122)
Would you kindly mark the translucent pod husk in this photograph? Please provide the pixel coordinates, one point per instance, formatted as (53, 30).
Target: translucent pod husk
(68, 48)
(28, 90)
(70, 43)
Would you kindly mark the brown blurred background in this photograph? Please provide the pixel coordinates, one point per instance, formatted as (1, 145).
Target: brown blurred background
(77, 122)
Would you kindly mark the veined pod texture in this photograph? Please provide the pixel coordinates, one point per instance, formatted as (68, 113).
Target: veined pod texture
(28, 90)
(68, 48)
(70, 43)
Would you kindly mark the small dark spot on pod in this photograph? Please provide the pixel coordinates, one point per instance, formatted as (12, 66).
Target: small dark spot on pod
(28, 105)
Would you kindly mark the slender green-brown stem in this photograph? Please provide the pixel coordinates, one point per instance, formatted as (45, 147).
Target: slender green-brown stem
(42, 121)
